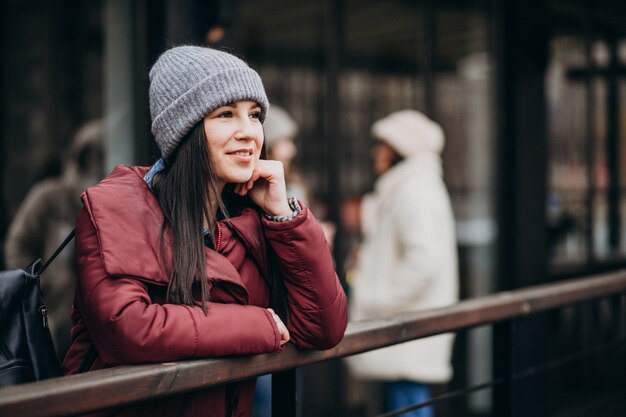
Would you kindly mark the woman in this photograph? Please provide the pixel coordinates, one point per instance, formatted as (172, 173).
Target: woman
(408, 260)
(191, 258)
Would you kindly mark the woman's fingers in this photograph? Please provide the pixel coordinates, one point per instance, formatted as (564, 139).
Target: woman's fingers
(243, 188)
(270, 194)
(284, 333)
(282, 329)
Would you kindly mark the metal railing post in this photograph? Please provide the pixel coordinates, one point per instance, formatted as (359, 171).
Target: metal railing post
(286, 398)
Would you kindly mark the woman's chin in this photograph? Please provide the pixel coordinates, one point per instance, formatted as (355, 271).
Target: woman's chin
(239, 178)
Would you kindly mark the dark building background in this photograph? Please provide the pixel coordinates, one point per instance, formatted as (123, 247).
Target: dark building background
(51, 82)
(530, 95)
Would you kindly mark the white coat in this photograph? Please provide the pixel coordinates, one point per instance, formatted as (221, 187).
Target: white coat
(408, 262)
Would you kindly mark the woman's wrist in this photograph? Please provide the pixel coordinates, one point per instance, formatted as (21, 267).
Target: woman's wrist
(294, 210)
(280, 211)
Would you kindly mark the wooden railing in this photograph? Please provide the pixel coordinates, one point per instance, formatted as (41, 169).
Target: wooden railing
(127, 384)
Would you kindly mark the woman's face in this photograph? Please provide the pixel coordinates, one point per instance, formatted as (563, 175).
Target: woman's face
(383, 156)
(235, 137)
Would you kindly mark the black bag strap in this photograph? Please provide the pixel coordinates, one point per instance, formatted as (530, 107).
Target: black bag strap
(56, 252)
(92, 354)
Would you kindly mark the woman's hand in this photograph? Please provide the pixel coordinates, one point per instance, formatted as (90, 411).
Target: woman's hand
(267, 188)
(284, 333)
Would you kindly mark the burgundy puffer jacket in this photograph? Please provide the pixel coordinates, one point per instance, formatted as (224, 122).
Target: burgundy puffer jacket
(120, 294)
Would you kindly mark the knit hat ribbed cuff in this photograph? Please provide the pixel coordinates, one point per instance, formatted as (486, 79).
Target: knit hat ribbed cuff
(214, 91)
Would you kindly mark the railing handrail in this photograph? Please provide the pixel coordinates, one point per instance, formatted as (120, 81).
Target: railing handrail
(126, 384)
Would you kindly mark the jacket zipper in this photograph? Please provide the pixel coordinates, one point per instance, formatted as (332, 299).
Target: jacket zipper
(44, 315)
(218, 241)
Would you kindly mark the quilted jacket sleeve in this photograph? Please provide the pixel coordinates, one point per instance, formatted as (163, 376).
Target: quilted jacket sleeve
(127, 327)
(316, 300)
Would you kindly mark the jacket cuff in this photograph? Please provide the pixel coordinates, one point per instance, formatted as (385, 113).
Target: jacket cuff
(294, 205)
(289, 224)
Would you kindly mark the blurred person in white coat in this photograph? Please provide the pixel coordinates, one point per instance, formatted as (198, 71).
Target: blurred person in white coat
(408, 259)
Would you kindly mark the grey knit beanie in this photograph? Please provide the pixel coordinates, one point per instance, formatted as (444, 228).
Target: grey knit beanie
(188, 82)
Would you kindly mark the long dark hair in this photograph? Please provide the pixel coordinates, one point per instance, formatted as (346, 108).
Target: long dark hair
(188, 194)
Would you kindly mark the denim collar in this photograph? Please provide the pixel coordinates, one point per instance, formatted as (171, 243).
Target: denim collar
(157, 167)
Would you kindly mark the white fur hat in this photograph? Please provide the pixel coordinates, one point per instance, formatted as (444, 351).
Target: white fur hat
(279, 125)
(409, 133)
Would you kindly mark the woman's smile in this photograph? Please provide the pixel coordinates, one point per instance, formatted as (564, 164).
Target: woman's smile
(242, 155)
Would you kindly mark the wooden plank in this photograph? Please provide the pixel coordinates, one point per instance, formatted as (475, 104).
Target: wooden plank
(122, 385)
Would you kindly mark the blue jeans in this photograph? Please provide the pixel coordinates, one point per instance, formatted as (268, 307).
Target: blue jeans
(262, 404)
(404, 393)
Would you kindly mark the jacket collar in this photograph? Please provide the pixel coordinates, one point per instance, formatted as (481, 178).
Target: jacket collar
(128, 221)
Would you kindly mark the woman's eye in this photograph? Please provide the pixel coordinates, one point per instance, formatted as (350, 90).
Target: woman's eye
(225, 114)
(256, 115)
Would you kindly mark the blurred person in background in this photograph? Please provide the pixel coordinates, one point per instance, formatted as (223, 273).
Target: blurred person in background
(280, 132)
(408, 258)
(45, 218)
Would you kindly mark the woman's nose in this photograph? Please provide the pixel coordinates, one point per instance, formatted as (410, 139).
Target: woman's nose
(246, 129)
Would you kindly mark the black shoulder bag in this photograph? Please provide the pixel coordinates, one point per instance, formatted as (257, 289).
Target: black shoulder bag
(26, 349)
